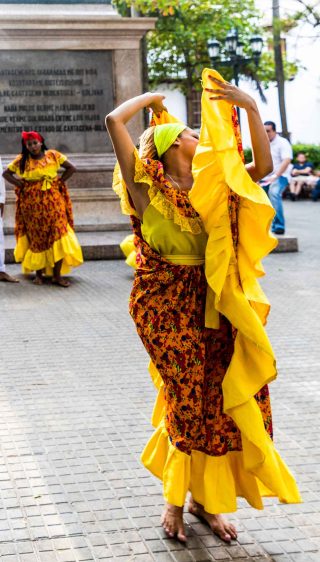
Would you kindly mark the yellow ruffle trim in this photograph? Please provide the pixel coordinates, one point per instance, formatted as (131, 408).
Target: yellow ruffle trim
(128, 248)
(258, 469)
(66, 248)
(237, 294)
(215, 482)
(167, 208)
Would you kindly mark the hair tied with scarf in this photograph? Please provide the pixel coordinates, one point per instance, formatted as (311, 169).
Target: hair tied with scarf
(30, 135)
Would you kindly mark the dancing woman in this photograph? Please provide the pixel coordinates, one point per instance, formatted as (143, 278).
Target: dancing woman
(46, 241)
(201, 227)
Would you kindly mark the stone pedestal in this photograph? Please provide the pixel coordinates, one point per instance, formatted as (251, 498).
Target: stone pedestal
(76, 37)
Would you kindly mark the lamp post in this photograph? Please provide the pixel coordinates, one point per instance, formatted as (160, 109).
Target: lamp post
(233, 53)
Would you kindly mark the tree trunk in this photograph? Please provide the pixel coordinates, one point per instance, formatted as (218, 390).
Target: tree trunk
(279, 66)
(145, 77)
(189, 84)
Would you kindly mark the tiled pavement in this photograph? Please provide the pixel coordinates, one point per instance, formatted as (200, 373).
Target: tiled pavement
(76, 400)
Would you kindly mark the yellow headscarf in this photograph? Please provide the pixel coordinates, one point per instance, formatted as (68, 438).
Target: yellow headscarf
(165, 135)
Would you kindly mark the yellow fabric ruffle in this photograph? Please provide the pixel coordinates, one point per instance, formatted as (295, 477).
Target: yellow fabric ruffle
(66, 248)
(215, 482)
(128, 248)
(169, 211)
(163, 118)
(217, 165)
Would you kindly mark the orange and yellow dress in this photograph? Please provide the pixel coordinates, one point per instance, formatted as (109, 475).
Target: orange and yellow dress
(200, 314)
(44, 218)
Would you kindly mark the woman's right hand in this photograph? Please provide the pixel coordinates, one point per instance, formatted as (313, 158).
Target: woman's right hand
(157, 103)
(19, 183)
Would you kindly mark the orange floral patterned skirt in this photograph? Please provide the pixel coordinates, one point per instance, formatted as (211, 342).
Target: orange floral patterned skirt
(43, 215)
(167, 304)
(44, 228)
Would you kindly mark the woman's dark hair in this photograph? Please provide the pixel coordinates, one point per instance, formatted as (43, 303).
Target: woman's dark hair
(25, 155)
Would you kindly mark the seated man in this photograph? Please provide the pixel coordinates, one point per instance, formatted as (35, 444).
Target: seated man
(301, 176)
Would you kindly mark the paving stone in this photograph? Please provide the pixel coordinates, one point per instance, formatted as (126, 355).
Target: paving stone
(307, 546)
(210, 540)
(27, 557)
(273, 548)
(201, 555)
(219, 553)
(156, 546)
(302, 557)
(138, 548)
(236, 552)
(7, 549)
(253, 549)
(290, 546)
(182, 556)
(163, 557)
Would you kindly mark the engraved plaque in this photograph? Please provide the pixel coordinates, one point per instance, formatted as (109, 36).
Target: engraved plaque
(64, 95)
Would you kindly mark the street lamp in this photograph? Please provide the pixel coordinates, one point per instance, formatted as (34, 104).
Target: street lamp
(233, 53)
(231, 42)
(256, 43)
(213, 48)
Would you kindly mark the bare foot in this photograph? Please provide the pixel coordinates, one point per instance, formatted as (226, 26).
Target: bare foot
(7, 278)
(217, 523)
(60, 281)
(38, 280)
(172, 522)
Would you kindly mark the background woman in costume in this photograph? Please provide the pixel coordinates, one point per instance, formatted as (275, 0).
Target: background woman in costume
(46, 242)
(196, 445)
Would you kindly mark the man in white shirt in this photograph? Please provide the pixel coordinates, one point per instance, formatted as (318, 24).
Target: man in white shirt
(276, 182)
(4, 276)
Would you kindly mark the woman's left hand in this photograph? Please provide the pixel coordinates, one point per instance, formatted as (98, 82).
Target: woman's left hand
(230, 93)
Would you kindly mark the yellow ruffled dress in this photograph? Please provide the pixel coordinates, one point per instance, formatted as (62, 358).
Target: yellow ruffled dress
(44, 218)
(234, 292)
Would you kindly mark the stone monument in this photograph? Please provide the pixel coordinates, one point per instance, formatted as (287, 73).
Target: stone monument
(63, 67)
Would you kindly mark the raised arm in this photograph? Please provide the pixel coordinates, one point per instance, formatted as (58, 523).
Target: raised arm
(124, 146)
(261, 165)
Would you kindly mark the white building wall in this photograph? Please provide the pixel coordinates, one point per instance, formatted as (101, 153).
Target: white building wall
(175, 101)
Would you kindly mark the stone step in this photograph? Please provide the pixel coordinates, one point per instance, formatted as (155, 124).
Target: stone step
(106, 227)
(104, 245)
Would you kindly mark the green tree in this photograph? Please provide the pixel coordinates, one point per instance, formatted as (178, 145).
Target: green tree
(177, 49)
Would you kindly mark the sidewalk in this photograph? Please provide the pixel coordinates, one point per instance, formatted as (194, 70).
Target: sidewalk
(76, 401)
